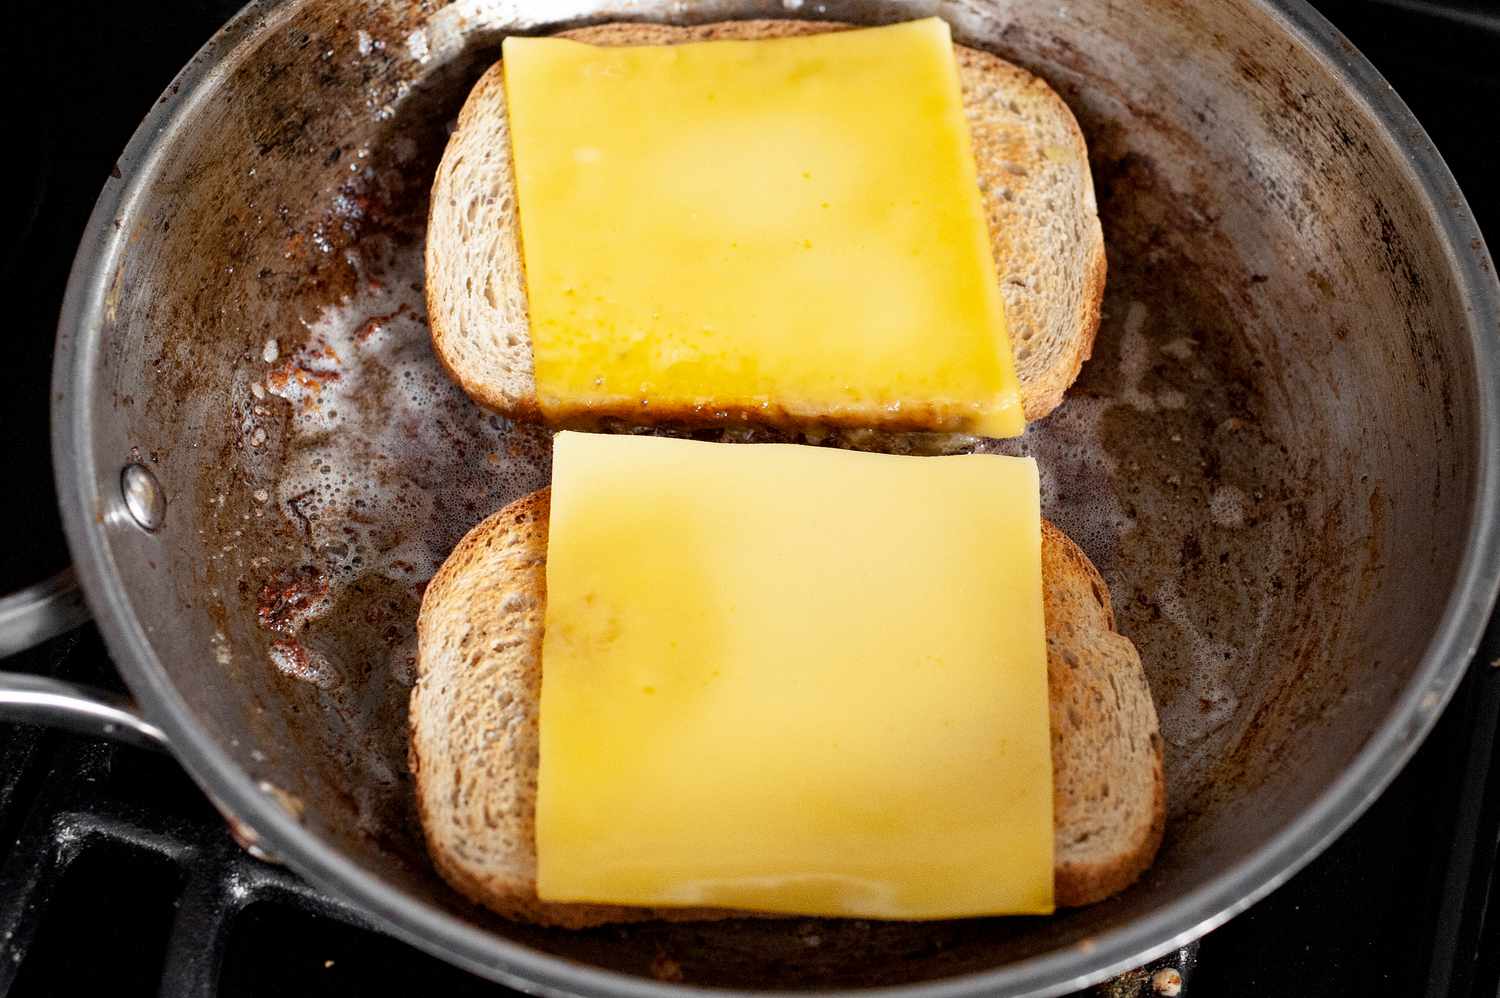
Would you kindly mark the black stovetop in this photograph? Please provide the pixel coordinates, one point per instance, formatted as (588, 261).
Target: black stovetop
(116, 875)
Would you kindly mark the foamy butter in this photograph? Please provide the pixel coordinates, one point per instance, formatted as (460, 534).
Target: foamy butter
(388, 462)
(1079, 475)
(1206, 701)
(298, 662)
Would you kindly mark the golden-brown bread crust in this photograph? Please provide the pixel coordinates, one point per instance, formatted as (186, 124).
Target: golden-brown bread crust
(1013, 119)
(1080, 627)
(489, 393)
(483, 613)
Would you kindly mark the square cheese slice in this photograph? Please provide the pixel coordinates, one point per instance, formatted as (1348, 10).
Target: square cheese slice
(793, 679)
(788, 230)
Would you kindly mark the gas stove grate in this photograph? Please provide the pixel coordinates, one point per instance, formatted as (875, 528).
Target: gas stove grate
(116, 873)
(181, 882)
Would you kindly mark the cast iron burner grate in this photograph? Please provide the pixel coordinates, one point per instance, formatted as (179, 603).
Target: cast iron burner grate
(117, 875)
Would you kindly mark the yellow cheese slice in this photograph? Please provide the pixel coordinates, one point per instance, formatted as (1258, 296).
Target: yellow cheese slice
(793, 679)
(787, 229)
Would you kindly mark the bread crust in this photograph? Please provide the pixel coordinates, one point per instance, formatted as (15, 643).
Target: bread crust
(1038, 195)
(1095, 674)
(474, 726)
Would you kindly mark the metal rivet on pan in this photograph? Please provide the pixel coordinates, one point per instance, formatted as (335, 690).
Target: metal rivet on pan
(144, 497)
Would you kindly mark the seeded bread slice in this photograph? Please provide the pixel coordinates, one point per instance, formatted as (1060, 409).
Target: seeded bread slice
(474, 726)
(1033, 175)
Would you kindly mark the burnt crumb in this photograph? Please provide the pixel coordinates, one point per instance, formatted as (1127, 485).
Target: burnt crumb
(311, 367)
(295, 660)
(290, 598)
(295, 505)
(292, 655)
(375, 323)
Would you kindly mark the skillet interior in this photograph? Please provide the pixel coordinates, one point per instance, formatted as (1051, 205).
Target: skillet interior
(1270, 456)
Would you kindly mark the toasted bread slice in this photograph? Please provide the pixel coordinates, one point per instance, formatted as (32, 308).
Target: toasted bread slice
(474, 726)
(1033, 175)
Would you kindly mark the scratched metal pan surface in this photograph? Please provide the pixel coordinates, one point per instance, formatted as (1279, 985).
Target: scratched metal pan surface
(1281, 456)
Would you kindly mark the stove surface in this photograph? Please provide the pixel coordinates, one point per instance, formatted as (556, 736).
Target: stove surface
(116, 874)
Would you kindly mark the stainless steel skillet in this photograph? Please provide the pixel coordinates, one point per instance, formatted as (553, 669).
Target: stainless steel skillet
(1283, 456)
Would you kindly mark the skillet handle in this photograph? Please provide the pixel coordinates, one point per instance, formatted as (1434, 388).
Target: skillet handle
(28, 618)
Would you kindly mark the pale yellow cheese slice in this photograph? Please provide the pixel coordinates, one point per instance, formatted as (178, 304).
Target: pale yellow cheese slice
(793, 679)
(789, 225)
